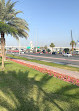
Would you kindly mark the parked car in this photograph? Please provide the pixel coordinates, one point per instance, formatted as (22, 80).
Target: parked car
(40, 52)
(60, 52)
(44, 51)
(67, 55)
(54, 53)
(22, 52)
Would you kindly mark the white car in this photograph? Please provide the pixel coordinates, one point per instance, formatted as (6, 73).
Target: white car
(67, 55)
(21, 52)
(40, 53)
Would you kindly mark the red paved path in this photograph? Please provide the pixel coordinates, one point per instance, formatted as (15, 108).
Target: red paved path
(74, 74)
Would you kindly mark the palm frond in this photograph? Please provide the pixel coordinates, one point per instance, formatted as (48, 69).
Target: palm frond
(18, 12)
(2, 9)
(8, 2)
(6, 28)
(13, 25)
(3, 3)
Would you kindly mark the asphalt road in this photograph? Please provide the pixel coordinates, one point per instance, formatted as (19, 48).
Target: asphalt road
(59, 59)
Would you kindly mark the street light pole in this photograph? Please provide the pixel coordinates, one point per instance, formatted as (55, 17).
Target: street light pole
(19, 45)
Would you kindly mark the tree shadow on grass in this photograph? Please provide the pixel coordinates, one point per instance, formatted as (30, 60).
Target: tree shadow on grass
(19, 92)
(6, 63)
(60, 96)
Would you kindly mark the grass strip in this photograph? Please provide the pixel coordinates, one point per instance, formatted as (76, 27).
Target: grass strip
(24, 89)
(46, 63)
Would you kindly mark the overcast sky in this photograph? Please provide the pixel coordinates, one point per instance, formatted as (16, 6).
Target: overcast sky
(49, 21)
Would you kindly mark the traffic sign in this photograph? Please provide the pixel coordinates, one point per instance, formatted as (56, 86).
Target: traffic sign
(28, 47)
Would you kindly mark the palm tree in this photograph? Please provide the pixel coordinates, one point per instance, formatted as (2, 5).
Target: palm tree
(52, 45)
(72, 43)
(45, 47)
(75, 44)
(10, 24)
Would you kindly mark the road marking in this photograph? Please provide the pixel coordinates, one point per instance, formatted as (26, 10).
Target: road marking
(72, 65)
(45, 60)
(30, 58)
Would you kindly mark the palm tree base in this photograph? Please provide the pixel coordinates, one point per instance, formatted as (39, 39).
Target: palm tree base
(2, 68)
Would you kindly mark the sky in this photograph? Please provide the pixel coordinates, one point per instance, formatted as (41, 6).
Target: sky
(48, 21)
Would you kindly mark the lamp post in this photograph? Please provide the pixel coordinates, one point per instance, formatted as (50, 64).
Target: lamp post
(19, 45)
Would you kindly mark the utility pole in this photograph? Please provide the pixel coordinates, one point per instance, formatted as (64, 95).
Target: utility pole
(36, 41)
(71, 36)
(19, 45)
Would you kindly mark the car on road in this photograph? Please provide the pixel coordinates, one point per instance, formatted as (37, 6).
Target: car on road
(67, 55)
(40, 52)
(43, 51)
(54, 53)
(22, 52)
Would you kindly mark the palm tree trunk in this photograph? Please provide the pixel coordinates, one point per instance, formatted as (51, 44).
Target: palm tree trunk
(2, 48)
(4, 51)
(75, 45)
(72, 48)
(52, 49)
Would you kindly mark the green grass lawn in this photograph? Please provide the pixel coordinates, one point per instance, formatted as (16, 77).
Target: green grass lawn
(24, 89)
(46, 63)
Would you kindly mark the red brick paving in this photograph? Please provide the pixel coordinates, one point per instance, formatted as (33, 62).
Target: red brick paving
(74, 74)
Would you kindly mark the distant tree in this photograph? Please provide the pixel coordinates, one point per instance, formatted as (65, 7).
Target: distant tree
(41, 47)
(52, 45)
(66, 50)
(45, 47)
(73, 43)
(74, 49)
(48, 50)
(38, 50)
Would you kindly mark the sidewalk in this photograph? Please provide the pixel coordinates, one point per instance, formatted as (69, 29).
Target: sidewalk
(74, 74)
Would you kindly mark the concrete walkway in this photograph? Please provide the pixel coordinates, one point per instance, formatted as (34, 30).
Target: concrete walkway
(74, 74)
